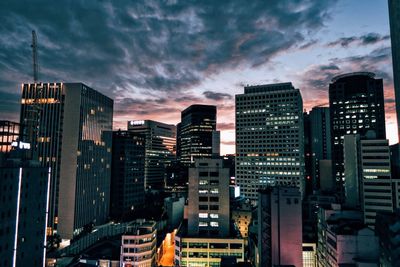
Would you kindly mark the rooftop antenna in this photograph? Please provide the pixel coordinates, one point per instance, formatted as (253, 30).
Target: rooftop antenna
(34, 56)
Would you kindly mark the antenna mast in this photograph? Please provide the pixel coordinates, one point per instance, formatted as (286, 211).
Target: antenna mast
(34, 55)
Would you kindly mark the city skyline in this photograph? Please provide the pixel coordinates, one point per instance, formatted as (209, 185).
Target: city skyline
(155, 59)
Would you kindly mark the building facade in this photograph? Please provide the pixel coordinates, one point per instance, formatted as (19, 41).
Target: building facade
(368, 181)
(269, 138)
(344, 240)
(127, 173)
(69, 128)
(160, 149)
(208, 202)
(356, 106)
(24, 206)
(195, 133)
(9, 132)
(279, 227)
(394, 17)
(320, 141)
(139, 245)
(387, 229)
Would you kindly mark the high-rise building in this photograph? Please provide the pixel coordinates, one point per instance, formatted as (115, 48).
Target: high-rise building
(320, 141)
(24, 205)
(139, 244)
(195, 133)
(269, 138)
(368, 181)
(208, 203)
(160, 149)
(127, 173)
(394, 17)
(279, 227)
(9, 132)
(356, 106)
(206, 236)
(69, 128)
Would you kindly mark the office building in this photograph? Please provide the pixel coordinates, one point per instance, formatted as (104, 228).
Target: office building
(395, 160)
(195, 133)
(69, 128)
(174, 207)
(242, 215)
(320, 142)
(139, 245)
(279, 227)
(160, 149)
(344, 240)
(207, 236)
(127, 173)
(269, 138)
(24, 205)
(387, 229)
(356, 106)
(9, 132)
(368, 181)
(394, 17)
(309, 255)
(208, 201)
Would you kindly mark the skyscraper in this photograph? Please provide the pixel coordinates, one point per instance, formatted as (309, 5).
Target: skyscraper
(269, 138)
(368, 181)
(394, 17)
(69, 127)
(127, 173)
(356, 106)
(195, 133)
(320, 141)
(160, 149)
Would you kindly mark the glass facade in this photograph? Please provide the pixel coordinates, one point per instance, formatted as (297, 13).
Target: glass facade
(9, 132)
(269, 138)
(69, 127)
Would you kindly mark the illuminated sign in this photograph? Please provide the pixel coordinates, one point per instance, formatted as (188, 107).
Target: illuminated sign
(137, 122)
(21, 145)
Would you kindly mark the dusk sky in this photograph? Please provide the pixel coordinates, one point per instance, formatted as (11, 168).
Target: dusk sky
(155, 58)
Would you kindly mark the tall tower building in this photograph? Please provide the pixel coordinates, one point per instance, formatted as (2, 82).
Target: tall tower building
(279, 227)
(69, 127)
(320, 141)
(368, 181)
(208, 204)
(127, 173)
(394, 17)
(160, 149)
(356, 106)
(269, 138)
(195, 133)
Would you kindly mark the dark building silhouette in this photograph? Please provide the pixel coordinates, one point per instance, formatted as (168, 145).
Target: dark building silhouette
(319, 142)
(127, 173)
(195, 133)
(69, 128)
(9, 132)
(24, 205)
(387, 228)
(356, 106)
(394, 17)
(160, 149)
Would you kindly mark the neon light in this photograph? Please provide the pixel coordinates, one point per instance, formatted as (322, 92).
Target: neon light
(17, 218)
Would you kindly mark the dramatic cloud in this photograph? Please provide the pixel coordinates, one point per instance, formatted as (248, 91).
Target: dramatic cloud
(216, 96)
(367, 39)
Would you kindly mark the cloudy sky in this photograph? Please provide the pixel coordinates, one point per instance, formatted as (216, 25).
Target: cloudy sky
(155, 58)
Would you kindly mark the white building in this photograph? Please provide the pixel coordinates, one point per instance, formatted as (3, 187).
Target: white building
(269, 138)
(139, 245)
